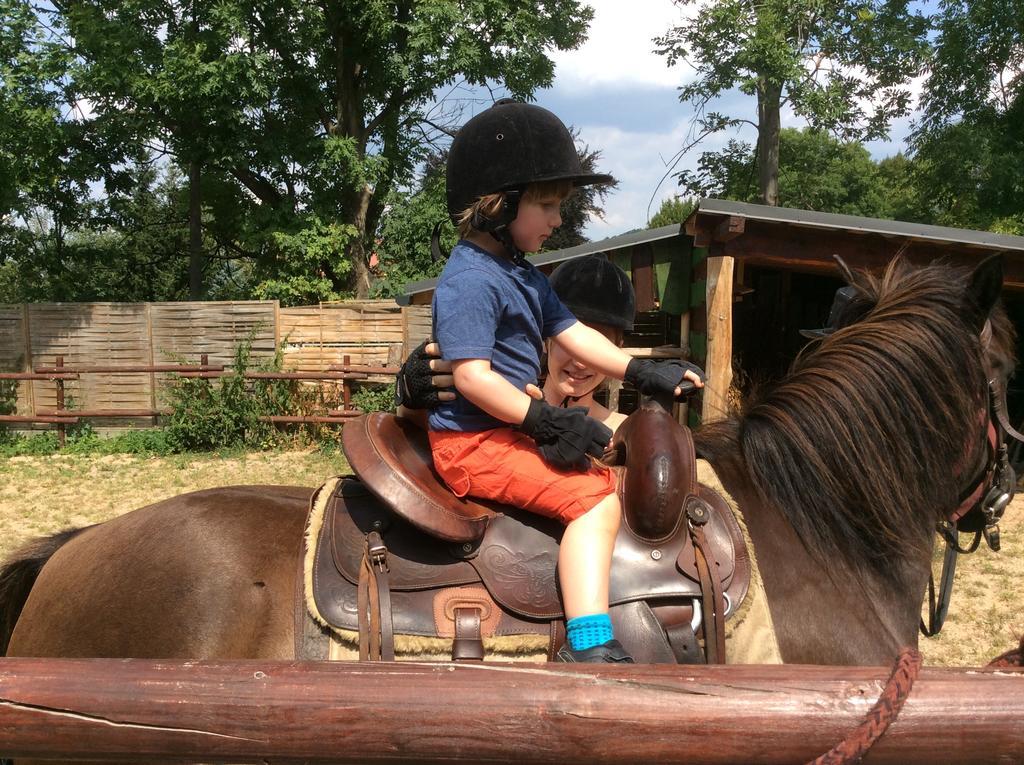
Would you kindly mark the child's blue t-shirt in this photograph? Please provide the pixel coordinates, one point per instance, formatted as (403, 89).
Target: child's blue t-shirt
(487, 307)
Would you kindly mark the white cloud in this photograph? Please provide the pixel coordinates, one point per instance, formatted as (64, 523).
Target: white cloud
(620, 46)
(640, 162)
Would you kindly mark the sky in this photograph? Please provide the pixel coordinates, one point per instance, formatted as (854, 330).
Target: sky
(623, 98)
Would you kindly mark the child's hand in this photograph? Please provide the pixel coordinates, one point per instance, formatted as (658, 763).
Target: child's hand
(566, 437)
(651, 377)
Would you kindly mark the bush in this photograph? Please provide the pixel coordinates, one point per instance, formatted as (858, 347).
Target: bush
(210, 415)
(375, 398)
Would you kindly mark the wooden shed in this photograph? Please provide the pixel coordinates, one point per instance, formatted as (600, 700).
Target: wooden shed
(733, 285)
(778, 266)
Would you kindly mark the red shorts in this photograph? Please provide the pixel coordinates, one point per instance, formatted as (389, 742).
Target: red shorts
(505, 465)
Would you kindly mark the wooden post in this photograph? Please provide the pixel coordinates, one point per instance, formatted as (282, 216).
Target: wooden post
(346, 390)
(683, 408)
(152, 358)
(719, 358)
(345, 712)
(61, 429)
(30, 399)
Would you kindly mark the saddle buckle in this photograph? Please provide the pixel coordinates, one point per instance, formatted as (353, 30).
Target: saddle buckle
(992, 536)
(377, 551)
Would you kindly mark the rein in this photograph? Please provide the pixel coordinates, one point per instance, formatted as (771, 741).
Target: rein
(983, 504)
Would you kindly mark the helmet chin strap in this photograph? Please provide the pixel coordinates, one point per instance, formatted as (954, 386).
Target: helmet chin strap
(504, 238)
(497, 227)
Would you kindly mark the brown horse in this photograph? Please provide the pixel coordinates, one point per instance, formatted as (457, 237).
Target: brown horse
(842, 471)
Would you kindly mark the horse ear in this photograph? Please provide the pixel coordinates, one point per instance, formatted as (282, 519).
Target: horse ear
(984, 287)
(845, 271)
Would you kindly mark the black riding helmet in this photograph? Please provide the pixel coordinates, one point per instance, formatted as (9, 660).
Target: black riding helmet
(596, 291)
(506, 148)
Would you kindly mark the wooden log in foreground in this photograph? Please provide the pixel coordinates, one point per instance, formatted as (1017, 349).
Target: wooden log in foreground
(366, 713)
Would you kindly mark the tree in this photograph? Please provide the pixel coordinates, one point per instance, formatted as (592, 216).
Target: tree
(403, 247)
(969, 145)
(673, 210)
(316, 112)
(842, 66)
(585, 202)
(816, 172)
(47, 157)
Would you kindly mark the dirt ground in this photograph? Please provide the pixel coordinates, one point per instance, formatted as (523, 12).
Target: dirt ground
(41, 495)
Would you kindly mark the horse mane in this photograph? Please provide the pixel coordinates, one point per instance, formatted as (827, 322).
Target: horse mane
(868, 441)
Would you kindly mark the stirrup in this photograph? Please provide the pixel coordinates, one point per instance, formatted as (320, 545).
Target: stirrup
(610, 652)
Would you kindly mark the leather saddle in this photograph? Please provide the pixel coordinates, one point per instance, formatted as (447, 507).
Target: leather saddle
(399, 554)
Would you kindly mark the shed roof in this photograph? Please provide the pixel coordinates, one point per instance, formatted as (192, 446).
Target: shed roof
(858, 225)
(801, 240)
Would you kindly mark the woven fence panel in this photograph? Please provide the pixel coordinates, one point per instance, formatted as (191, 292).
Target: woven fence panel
(183, 332)
(88, 334)
(14, 358)
(369, 332)
(417, 325)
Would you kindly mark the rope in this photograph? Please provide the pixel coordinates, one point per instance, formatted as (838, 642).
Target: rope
(1014, 658)
(882, 714)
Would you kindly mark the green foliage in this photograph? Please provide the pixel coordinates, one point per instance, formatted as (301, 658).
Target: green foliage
(300, 118)
(404, 243)
(216, 414)
(305, 258)
(374, 398)
(673, 210)
(842, 66)
(816, 172)
(40, 445)
(977, 69)
(969, 174)
(149, 442)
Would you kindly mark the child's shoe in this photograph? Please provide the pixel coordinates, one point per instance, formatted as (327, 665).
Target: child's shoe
(611, 652)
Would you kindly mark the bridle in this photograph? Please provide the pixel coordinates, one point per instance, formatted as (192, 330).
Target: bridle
(982, 503)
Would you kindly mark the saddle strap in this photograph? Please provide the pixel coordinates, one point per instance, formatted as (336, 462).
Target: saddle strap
(697, 516)
(376, 627)
(684, 644)
(468, 644)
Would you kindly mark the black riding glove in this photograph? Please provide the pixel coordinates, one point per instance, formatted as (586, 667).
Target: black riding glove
(651, 377)
(414, 386)
(565, 436)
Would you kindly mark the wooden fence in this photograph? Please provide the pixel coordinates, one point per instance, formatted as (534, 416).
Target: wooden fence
(312, 339)
(341, 712)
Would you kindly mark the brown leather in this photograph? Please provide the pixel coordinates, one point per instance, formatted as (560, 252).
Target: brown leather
(448, 600)
(660, 471)
(517, 567)
(467, 645)
(698, 514)
(655, 578)
(392, 457)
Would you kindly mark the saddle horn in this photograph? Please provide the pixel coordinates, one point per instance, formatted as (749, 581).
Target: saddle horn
(660, 470)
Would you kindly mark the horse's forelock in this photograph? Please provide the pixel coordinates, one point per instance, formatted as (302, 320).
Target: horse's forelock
(863, 445)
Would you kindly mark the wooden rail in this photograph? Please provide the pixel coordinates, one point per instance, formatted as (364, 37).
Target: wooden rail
(61, 417)
(345, 712)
